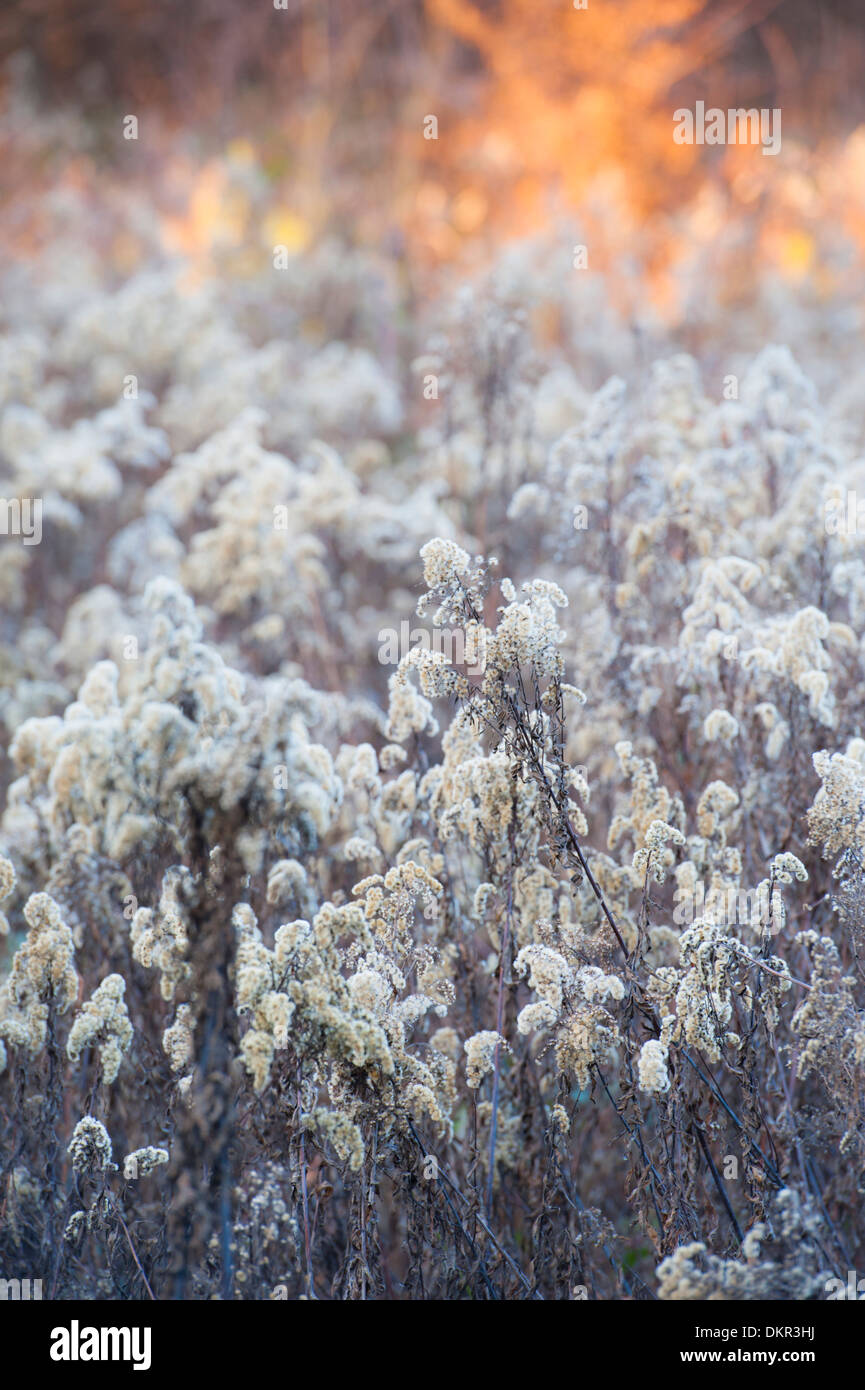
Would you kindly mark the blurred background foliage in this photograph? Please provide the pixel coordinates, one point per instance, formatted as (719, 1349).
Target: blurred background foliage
(262, 126)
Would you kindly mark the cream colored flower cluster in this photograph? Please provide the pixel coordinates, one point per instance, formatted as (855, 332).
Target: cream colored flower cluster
(571, 1000)
(103, 1022)
(126, 765)
(43, 977)
(90, 1147)
(653, 820)
(796, 1269)
(481, 1049)
(338, 987)
(142, 1162)
(836, 819)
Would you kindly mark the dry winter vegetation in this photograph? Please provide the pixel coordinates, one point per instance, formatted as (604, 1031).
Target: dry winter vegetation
(534, 971)
(433, 788)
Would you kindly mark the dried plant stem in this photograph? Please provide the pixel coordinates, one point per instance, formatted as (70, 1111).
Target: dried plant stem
(307, 1244)
(129, 1241)
(494, 1113)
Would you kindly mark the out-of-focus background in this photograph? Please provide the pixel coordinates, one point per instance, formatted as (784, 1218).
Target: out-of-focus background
(260, 126)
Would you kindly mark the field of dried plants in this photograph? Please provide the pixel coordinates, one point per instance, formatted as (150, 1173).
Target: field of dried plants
(432, 783)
